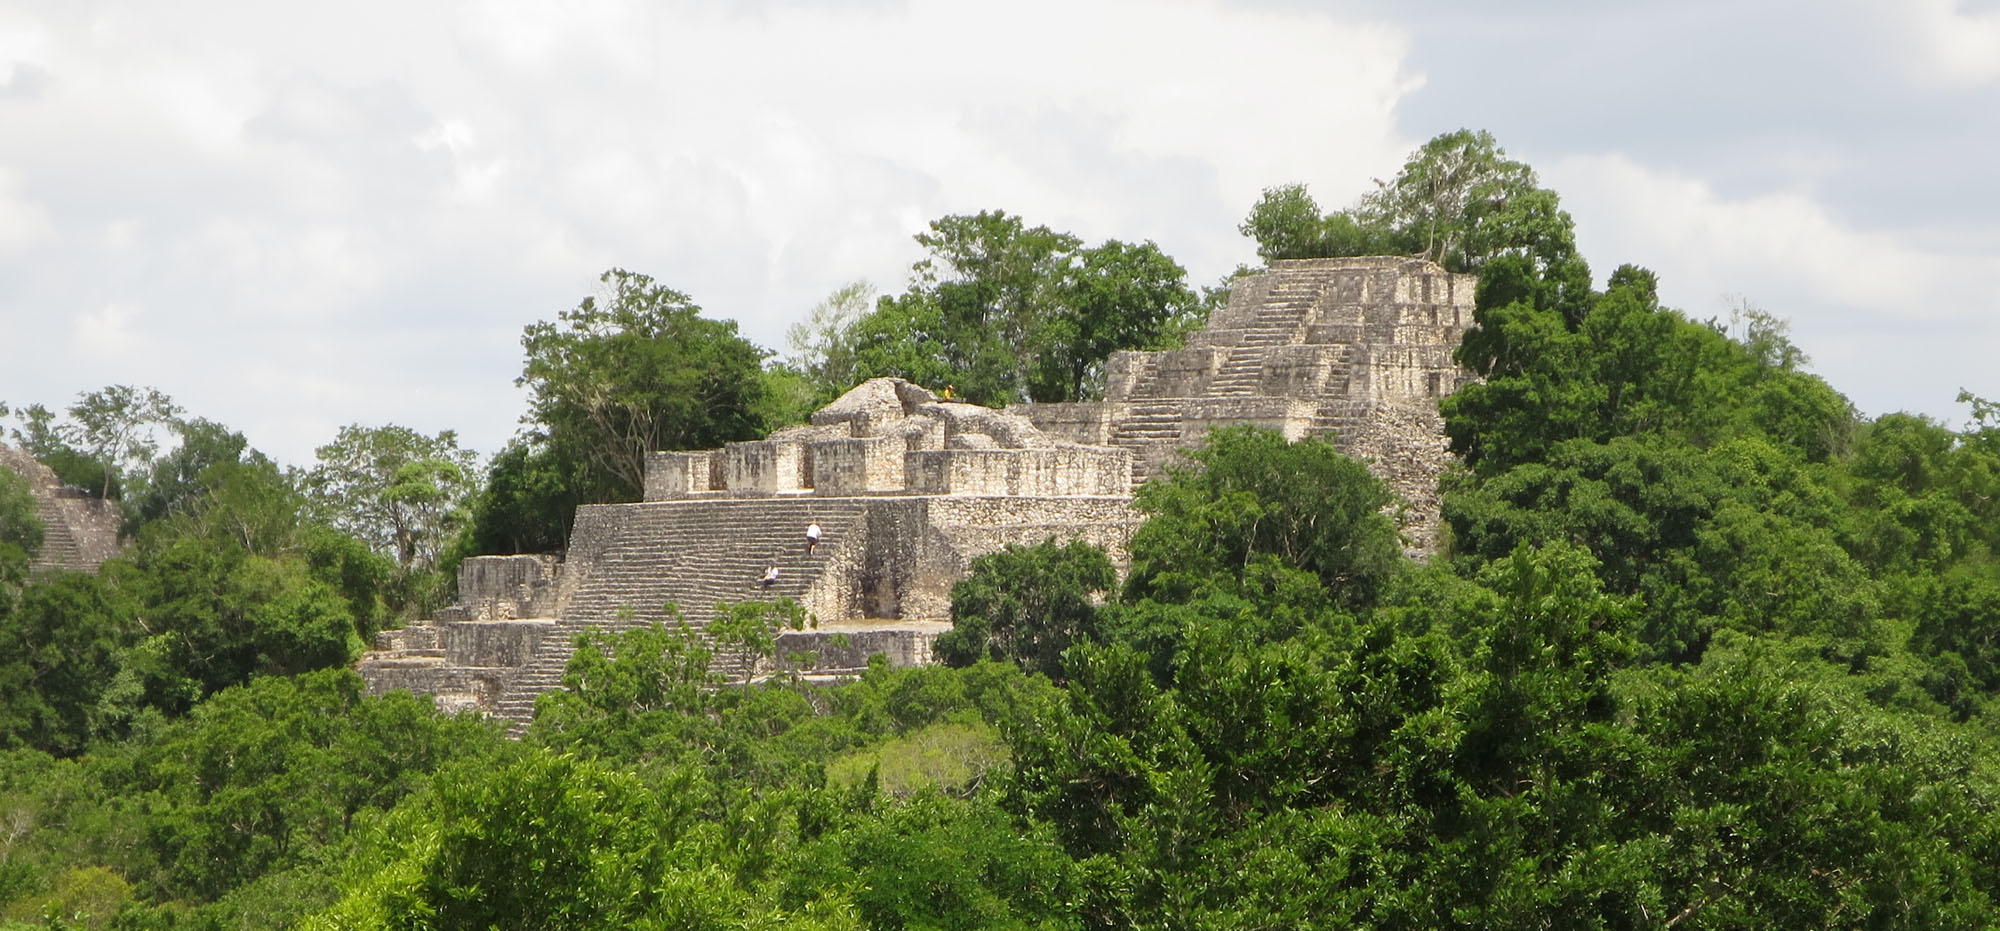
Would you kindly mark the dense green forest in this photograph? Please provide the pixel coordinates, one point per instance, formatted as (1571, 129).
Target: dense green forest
(1706, 649)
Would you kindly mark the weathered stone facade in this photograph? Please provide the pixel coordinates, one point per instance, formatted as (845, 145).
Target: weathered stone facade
(908, 489)
(79, 532)
(1360, 348)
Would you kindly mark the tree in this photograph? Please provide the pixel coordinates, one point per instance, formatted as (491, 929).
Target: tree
(59, 649)
(823, 344)
(1460, 202)
(20, 524)
(403, 492)
(638, 371)
(1286, 223)
(42, 437)
(1002, 310)
(116, 425)
(174, 486)
(1253, 503)
(528, 503)
(1114, 296)
(1027, 604)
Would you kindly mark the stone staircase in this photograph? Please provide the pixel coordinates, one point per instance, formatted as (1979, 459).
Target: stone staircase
(695, 555)
(1147, 423)
(59, 549)
(1279, 321)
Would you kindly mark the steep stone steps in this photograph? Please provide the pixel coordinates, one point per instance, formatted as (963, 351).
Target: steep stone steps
(1242, 374)
(694, 555)
(59, 549)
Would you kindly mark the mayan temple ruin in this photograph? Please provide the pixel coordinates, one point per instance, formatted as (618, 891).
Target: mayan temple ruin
(907, 489)
(79, 530)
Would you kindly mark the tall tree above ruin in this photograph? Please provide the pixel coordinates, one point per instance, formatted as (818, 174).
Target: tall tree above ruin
(634, 370)
(1458, 201)
(1005, 311)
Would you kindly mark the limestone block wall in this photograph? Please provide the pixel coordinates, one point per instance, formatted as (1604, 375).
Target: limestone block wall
(1054, 470)
(504, 587)
(679, 475)
(925, 545)
(1078, 422)
(859, 465)
(495, 643)
(1292, 417)
(765, 466)
(835, 652)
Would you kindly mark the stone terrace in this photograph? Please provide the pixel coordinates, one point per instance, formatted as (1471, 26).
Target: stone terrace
(1357, 348)
(906, 489)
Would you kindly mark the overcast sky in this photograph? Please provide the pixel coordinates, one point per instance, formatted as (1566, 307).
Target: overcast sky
(295, 216)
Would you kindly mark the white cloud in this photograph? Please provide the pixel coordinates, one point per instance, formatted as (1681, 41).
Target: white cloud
(1872, 307)
(393, 186)
(22, 223)
(1786, 235)
(1957, 46)
(106, 334)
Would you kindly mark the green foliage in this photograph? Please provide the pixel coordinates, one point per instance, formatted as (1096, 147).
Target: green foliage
(1458, 201)
(260, 778)
(1027, 604)
(1286, 223)
(823, 344)
(528, 504)
(116, 423)
(1256, 508)
(1003, 311)
(216, 615)
(399, 490)
(1462, 203)
(174, 486)
(1114, 296)
(20, 525)
(1627, 367)
(952, 757)
(59, 651)
(934, 863)
(638, 371)
(43, 438)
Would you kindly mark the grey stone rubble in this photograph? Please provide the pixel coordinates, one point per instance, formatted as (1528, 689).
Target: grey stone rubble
(908, 489)
(79, 531)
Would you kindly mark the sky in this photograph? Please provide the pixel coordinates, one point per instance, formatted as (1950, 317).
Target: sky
(291, 217)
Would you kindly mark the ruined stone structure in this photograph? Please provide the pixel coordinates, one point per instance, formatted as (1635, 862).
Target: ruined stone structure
(79, 532)
(907, 490)
(1360, 348)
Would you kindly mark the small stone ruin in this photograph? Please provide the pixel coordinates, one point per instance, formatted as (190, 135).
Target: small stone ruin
(79, 530)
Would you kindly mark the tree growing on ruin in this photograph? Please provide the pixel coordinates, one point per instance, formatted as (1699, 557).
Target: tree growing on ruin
(1005, 311)
(117, 424)
(635, 370)
(1458, 201)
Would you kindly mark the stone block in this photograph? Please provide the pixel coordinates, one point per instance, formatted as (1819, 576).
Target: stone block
(858, 466)
(494, 643)
(763, 466)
